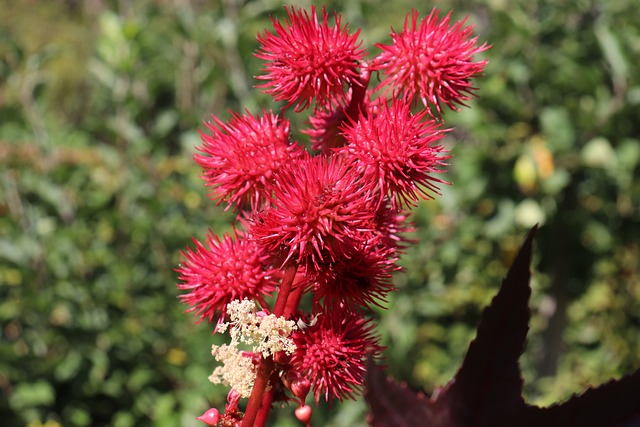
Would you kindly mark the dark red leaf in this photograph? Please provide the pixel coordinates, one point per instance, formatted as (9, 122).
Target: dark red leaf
(488, 387)
(487, 390)
(613, 404)
(393, 404)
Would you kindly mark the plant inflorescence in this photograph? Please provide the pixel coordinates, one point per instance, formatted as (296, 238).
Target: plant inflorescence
(320, 225)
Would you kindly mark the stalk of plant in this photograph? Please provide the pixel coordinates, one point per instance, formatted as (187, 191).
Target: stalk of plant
(320, 224)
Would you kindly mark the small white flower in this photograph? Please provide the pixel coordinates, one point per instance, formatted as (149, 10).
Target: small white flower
(266, 334)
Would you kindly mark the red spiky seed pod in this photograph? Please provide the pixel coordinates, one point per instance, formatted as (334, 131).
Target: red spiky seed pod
(332, 353)
(308, 60)
(239, 158)
(223, 270)
(431, 61)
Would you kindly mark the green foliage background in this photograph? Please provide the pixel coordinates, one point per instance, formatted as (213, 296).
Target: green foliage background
(100, 104)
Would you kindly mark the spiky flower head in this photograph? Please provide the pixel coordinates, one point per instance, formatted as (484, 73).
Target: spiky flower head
(431, 61)
(332, 353)
(392, 227)
(320, 206)
(240, 157)
(307, 59)
(395, 151)
(220, 271)
(356, 281)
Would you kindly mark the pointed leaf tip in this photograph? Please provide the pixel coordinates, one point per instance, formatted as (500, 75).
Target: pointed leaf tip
(488, 386)
(486, 391)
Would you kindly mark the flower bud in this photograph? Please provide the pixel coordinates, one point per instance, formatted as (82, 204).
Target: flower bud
(210, 417)
(289, 377)
(303, 413)
(300, 388)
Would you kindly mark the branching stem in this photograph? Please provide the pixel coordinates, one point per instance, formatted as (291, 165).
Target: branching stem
(260, 400)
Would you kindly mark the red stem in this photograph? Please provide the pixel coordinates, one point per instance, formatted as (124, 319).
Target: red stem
(259, 401)
(285, 288)
(358, 92)
(265, 408)
(294, 298)
(262, 379)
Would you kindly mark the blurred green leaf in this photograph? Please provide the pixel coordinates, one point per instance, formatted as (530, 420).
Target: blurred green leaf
(598, 153)
(69, 367)
(558, 128)
(612, 51)
(27, 395)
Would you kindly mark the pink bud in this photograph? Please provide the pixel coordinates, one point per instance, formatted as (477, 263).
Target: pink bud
(300, 388)
(303, 413)
(210, 417)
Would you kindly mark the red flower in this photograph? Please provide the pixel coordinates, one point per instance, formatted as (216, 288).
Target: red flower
(358, 280)
(332, 353)
(391, 226)
(241, 157)
(432, 62)
(320, 206)
(394, 150)
(223, 271)
(307, 59)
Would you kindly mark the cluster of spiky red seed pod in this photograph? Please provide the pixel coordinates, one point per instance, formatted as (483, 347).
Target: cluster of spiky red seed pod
(322, 228)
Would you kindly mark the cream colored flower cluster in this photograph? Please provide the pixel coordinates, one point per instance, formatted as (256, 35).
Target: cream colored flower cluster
(265, 334)
(237, 370)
